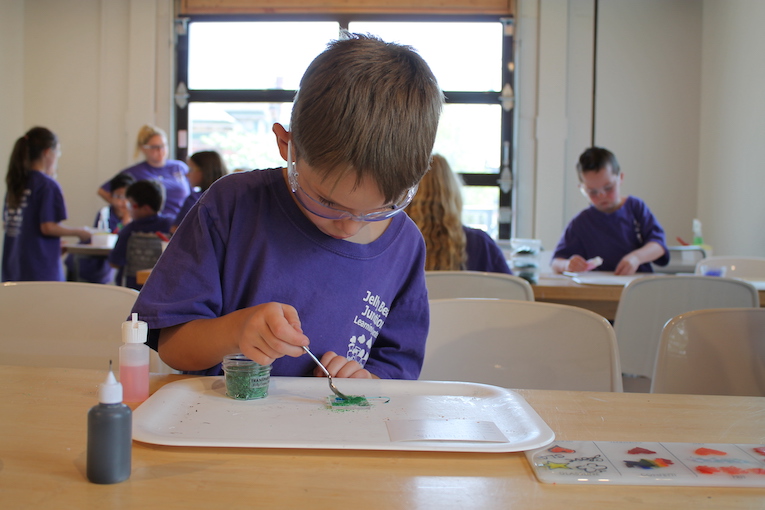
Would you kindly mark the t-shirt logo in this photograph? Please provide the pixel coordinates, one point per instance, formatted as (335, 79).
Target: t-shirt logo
(371, 319)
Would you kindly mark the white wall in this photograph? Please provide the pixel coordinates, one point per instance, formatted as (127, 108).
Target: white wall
(648, 99)
(731, 198)
(93, 71)
(647, 95)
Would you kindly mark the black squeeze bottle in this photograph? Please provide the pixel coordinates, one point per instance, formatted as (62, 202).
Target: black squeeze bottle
(109, 435)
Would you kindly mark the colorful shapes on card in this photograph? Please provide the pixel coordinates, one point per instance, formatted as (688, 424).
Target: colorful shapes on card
(556, 465)
(638, 451)
(730, 470)
(560, 449)
(708, 451)
(648, 463)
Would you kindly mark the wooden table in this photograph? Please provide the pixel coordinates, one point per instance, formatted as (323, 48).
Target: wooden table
(601, 299)
(43, 448)
(85, 250)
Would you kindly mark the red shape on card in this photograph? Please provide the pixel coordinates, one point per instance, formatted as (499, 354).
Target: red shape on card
(560, 449)
(708, 451)
(733, 470)
(638, 451)
(760, 450)
(707, 470)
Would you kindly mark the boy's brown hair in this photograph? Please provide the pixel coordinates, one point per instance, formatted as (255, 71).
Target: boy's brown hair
(371, 108)
(595, 158)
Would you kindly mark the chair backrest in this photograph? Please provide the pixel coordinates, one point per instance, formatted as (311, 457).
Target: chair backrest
(646, 304)
(521, 344)
(476, 284)
(713, 352)
(65, 324)
(143, 251)
(736, 267)
(682, 259)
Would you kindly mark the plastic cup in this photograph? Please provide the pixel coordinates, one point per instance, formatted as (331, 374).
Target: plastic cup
(245, 379)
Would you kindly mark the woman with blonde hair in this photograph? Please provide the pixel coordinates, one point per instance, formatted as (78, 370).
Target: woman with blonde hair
(450, 245)
(152, 143)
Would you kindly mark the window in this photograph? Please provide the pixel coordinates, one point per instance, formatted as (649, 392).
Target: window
(238, 77)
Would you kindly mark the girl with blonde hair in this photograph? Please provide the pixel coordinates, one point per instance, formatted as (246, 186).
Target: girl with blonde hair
(450, 245)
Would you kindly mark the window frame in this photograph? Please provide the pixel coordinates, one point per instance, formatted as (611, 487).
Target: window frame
(184, 96)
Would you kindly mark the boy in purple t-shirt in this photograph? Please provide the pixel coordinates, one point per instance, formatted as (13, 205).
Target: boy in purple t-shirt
(316, 253)
(145, 199)
(615, 233)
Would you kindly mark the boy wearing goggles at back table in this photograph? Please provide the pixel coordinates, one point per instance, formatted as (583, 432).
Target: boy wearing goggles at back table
(318, 253)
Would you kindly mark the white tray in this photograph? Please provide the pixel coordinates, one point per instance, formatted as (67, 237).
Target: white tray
(419, 415)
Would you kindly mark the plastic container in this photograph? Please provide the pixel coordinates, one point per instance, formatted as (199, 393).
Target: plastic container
(134, 360)
(110, 435)
(712, 270)
(525, 258)
(245, 379)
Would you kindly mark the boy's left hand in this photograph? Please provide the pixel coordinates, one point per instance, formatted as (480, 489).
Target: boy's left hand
(339, 366)
(628, 265)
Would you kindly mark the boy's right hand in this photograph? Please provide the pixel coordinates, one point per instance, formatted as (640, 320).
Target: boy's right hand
(270, 331)
(577, 264)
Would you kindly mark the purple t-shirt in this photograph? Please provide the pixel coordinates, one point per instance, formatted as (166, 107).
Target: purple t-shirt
(246, 242)
(593, 233)
(173, 178)
(187, 205)
(118, 256)
(28, 255)
(483, 254)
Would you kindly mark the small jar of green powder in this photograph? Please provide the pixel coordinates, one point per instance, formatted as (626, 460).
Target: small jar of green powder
(245, 379)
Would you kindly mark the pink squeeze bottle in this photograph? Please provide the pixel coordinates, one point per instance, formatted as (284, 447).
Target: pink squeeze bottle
(134, 360)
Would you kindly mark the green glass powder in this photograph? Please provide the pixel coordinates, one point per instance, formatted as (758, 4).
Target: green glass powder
(352, 402)
(245, 379)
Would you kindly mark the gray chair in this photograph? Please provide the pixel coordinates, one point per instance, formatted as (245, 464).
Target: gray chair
(521, 344)
(476, 284)
(65, 324)
(712, 352)
(646, 304)
(143, 252)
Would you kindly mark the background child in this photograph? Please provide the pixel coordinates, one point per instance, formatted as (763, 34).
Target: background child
(152, 143)
(622, 231)
(268, 259)
(145, 199)
(450, 245)
(112, 218)
(205, 167)
(33, 209)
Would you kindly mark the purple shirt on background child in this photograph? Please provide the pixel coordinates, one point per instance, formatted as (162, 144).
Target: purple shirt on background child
(118, 256)
(173, 178)
(611, 236)
(246, 242)
(483, 254)
(28, 255)
(192, 199)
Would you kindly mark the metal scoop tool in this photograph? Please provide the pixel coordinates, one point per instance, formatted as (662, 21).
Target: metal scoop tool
(329, 377)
